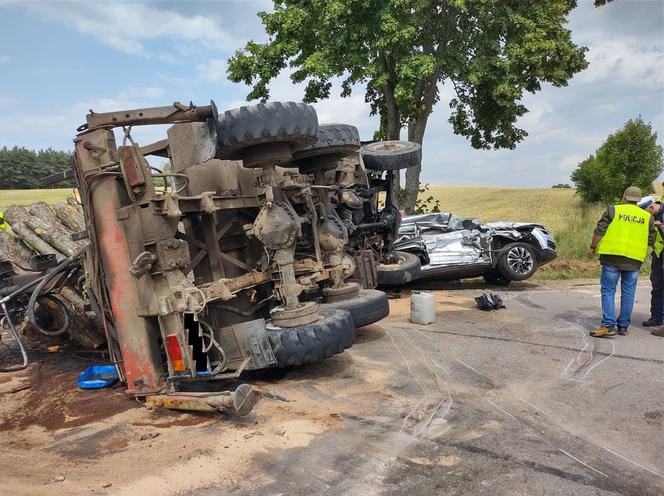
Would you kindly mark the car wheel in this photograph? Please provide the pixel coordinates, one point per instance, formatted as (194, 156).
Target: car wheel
(517, 261)
(391, 155)
(496, 279)
(275, 122)
(368, 307)
(331, 334)
(403, 272)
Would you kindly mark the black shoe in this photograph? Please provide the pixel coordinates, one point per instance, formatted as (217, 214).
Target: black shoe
(652, 322)
(622, 331)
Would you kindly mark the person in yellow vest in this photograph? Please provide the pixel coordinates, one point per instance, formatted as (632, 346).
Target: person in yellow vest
(656, 209)
(621, 239)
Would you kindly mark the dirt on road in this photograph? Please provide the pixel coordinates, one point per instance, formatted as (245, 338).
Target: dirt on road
(516, 401)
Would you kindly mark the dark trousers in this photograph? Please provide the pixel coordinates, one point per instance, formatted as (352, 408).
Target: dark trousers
(657, 293)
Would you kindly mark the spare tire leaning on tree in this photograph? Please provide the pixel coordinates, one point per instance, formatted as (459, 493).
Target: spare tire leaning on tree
(391, 155)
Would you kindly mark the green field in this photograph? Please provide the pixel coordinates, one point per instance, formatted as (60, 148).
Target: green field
(27, 196)
(560, 210)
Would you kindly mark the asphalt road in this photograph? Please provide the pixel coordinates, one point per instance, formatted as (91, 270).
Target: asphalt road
(515, 401)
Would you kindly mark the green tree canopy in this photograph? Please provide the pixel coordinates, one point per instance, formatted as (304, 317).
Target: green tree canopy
(629, 157)
(21, 168)
(489, 51)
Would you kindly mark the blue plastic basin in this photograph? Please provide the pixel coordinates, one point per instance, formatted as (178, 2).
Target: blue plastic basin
(97, 377)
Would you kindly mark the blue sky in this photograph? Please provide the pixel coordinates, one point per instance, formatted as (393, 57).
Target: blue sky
(59, 59)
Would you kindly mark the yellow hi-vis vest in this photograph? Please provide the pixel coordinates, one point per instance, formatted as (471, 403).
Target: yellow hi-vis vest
(659, 244)
(627, 234)
(3, 223)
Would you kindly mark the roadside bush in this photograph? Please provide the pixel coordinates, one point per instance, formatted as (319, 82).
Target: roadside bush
(629, 157)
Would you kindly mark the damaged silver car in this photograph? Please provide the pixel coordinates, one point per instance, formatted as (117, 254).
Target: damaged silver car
(451, 248)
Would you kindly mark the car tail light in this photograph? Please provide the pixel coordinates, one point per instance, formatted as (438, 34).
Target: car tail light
(174, 351)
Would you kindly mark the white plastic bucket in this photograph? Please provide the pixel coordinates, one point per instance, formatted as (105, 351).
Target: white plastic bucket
(422, 308)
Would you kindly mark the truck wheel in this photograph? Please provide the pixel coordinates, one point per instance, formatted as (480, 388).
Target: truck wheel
(368, 307)
(275, 122)
(333, 141)
(391, 155)
(517, 261)
(407, 270)
(310, 343)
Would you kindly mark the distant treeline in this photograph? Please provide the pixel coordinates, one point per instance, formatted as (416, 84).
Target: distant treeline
(21, 168)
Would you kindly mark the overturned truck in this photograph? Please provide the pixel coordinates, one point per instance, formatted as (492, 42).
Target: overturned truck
(234, 260)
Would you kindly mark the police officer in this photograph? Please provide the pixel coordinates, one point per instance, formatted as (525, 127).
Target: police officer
(656, 267)
(621, 239)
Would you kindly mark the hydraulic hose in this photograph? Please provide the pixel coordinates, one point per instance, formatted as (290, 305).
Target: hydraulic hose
(24, 355)
(37, 294)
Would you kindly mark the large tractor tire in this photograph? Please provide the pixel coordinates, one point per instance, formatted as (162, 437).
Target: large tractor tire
(310, 343)
(391, 155)
(333, 142)
(368, 307)
(265, 123)
(398, 274)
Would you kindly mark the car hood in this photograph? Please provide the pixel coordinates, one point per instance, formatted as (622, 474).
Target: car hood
(500, 224)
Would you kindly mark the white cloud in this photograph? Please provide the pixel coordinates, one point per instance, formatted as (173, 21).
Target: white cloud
(127, 26)
(8, 99)
(144, 93)
(214, 70)
(624, 61)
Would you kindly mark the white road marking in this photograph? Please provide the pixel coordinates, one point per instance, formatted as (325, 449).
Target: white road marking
(468, 366)
(420, 332)
(584, 464)
(502, 410)
(533, 406)
(633, 462)
(563, 374)
(447, 372)
(613, 344)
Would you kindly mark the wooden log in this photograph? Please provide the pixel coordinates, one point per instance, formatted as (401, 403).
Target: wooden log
(16, 213)
(12, 249)
(55, 235)
(86, 331)
(85, 328)
(69, 216)
(46, 213)
(34, 242)
(73, 202)
(73, 298)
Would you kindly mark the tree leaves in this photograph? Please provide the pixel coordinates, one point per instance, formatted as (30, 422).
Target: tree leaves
(21, 168)
(490, 51)
(629, 157)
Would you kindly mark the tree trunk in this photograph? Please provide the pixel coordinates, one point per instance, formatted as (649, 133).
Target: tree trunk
(416, 127)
